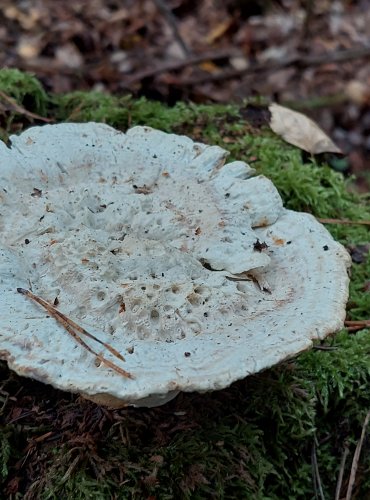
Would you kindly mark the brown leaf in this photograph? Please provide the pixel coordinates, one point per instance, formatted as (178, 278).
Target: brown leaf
(219, 30)
(299, 130)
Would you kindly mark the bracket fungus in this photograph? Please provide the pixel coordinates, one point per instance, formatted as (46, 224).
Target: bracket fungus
(187, 269)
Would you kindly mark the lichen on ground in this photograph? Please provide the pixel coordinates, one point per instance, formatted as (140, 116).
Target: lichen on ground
(278, 434)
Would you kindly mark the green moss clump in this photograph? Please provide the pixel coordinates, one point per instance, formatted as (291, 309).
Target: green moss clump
(359, 303)
(25, 89)
(19, 91)
(124, 112)
(256, 439)
(5, 453)
(92, 107)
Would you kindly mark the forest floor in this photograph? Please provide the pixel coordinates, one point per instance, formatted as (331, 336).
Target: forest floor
(293, 431)
(314, 56)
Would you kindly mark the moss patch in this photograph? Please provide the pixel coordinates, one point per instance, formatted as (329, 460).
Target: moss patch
(258, 439)
(25, 89)
(27, 92)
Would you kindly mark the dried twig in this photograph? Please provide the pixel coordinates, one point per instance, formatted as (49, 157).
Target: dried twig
(334, 57)
(325, 348)
(172, 21)
(354, 326)
(21, 110)
(300, 61)
(307, 23)
(358, 322)
(356, 458)
(341, 473)
(344, 221)
(319, 493)
(72, 328)
(180, 64)
(49, 66)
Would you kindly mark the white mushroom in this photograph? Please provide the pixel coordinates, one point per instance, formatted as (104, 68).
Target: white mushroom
(188, 267)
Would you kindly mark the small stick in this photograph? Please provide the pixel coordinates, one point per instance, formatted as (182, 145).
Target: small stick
(71, 326)
(179, 64)
(363, 323)
(307, 23)
(21, 110)
(300, 61)
(172, 21)
(344, 221)
(316, 472)
(325, 348)
(354, 326)
(356, 458)
(341, 474)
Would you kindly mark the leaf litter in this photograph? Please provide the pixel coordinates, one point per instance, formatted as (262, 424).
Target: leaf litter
(310, 55)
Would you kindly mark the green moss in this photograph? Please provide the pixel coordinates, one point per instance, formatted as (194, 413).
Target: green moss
(123, 112)
(25, 89)
(5, 453)
(92, 106)
(359, 303)
(253, 440)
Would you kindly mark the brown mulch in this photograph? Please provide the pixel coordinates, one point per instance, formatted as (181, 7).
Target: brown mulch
(312, 55)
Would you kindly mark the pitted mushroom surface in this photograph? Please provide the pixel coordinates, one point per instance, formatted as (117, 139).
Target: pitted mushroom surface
(188, 266)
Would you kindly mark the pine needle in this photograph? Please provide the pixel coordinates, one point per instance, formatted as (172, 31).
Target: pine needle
(344, 221)
(74, 330)
(354, 326)
(356, 458)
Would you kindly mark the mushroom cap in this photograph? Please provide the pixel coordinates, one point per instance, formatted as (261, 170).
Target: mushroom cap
(189, 267)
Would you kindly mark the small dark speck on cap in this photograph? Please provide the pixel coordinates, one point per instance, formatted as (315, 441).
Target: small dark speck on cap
(187, 354)
(325, 247)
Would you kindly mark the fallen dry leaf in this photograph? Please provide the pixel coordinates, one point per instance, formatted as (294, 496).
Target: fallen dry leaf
(219, 30)
(299, 130)
(358, 92)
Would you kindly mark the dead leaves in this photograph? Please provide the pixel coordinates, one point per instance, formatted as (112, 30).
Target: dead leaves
(299, 130)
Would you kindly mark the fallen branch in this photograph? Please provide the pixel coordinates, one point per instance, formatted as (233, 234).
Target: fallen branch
(179, 64)
(344, 221)
(335, 57)
(49, 66)
(300, 61)
(21, 110)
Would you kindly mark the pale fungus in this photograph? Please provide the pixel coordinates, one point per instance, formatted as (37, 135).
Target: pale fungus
(134, 266)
